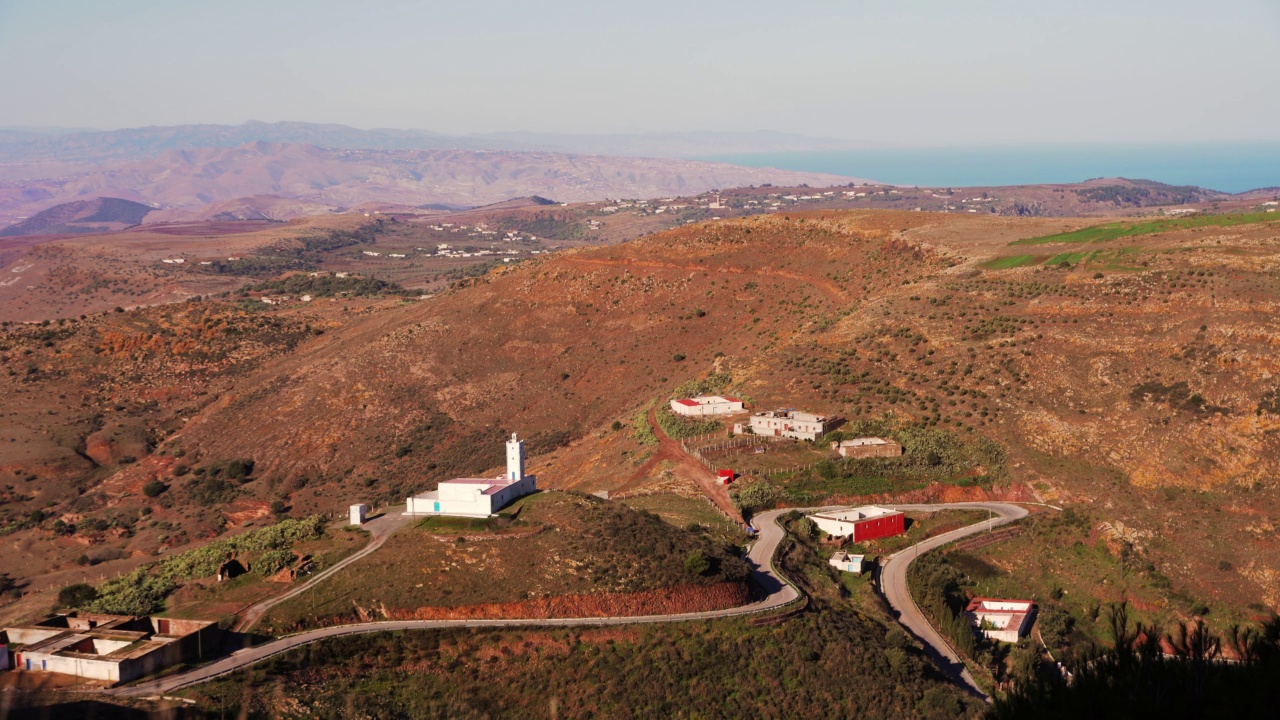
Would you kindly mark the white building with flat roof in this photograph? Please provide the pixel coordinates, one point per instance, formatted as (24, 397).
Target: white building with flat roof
(706, 405)
(847, 562)
(860, 524)
(1002, 620)
(477, 497)
(867, 447)
(110, 648)
(785, 423)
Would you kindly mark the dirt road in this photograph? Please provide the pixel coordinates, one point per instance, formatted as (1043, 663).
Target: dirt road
(380, 528)
(684, 465)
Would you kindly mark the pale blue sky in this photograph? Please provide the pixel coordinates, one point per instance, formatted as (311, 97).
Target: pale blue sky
(935, 72)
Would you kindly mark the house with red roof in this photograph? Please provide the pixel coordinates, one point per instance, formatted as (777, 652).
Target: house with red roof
(706, 405)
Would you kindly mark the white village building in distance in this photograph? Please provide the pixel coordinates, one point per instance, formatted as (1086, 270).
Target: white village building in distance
(785, 423)
(706, 405)
(477, 497)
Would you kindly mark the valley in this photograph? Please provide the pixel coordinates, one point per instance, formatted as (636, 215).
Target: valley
(1108, 382)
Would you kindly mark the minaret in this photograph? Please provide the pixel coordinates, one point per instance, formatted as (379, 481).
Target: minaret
(515, 459)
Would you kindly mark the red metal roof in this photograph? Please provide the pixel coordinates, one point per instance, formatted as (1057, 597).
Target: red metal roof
(687, 402)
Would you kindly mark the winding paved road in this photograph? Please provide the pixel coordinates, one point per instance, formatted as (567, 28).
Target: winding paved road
(893, 582)
(776, 589)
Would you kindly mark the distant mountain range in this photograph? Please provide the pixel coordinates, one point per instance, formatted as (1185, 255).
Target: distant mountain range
(292, 179)
(26, 145)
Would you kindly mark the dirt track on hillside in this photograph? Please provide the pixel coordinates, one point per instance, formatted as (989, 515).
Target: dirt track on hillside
(669, 450)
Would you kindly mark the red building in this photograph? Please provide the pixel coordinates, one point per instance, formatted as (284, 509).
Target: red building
(726, 476)
(860, 524)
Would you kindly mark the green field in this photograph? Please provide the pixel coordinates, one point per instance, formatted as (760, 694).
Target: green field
(1114, 260)
(1114, 231)
(1071, 257)
(1011, 261)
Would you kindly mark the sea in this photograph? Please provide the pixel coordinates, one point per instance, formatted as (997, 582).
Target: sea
(1226, 167)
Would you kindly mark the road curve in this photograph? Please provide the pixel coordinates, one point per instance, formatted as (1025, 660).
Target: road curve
(777, 591)
(893, 582)
(380, 528)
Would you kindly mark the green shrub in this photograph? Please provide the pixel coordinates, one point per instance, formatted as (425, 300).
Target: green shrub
(154, 488)
(696, 562)
(641, 430)
(143, 591)
(758, 495)
(272, 561)
(713, 383)
(681, 427)
(77, 595)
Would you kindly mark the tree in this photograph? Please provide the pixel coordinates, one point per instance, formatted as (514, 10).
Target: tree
(77, 595)
(806, 529)
(154, 488)
(697, 562)
(757, 495)
(239, 469)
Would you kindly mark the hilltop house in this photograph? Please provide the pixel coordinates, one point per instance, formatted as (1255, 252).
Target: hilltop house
(867, 447)
(785, 423)
(111, 648)
(860, 524)
(477, 497)
(706, 405)
(1002, 620)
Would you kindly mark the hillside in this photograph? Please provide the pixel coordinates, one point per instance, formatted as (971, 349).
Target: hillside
(550, 555)
(1129, 378)
(103, 214)
(427, 247)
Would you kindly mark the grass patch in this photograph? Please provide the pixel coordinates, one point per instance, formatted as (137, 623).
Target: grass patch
(686, 512)
(1114, 231)
(457, 525)
(1012, 261)
(1070, 257)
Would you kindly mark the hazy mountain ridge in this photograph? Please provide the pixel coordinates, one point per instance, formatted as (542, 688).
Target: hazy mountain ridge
(26, 145)
(195, 177)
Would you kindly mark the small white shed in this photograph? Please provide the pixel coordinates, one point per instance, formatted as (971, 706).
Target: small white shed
(358, 513)
(846, 562)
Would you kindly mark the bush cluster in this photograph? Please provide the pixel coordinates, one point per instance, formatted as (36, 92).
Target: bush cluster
(143, 591)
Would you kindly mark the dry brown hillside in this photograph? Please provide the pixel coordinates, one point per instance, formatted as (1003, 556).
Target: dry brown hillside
(1137, 382)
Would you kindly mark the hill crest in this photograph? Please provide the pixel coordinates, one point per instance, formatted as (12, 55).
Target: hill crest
(103, 214)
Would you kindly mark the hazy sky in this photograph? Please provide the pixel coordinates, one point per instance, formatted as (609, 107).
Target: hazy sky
(912, 71)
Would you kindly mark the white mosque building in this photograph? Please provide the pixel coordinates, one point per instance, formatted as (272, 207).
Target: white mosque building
(476, 497)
